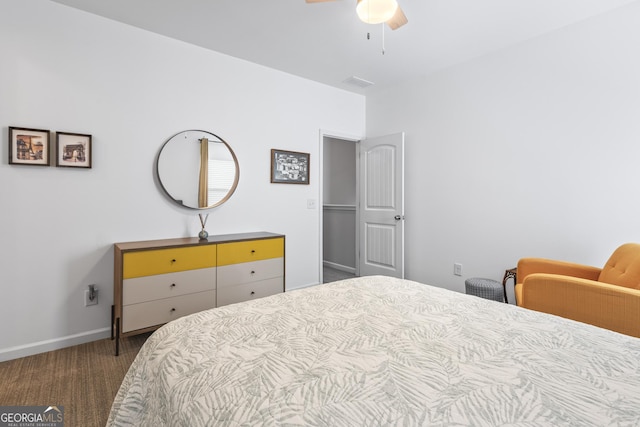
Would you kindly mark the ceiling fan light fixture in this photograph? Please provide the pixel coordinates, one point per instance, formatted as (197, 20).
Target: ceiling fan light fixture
(376, 11)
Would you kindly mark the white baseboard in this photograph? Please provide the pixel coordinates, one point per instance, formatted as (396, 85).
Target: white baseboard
(308, 285)
(339, 267)
(53, 344)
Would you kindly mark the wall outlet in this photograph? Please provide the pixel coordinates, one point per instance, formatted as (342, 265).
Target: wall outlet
(87, 301)
(457, 269)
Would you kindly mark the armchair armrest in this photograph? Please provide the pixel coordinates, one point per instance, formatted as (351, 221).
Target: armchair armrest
(601, 304)
(527, 266)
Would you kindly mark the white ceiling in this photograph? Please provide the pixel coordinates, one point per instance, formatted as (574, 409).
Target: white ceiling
(326, 42)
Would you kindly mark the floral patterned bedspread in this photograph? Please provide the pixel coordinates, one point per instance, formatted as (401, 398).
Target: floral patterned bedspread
(379, 351)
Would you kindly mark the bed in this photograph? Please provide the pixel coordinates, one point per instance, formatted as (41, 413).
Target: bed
(380, 351)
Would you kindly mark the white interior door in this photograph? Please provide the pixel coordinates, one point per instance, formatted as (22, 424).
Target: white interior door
(381, 220)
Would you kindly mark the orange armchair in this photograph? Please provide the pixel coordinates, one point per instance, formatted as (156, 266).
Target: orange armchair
(607, 297)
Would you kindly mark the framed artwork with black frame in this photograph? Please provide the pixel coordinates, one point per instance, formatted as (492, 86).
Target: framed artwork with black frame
(73, 150)
(289, 167)
(29, 146)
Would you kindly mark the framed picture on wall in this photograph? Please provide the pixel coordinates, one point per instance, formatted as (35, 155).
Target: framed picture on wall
(289, 167)
(73, 150)
(28, 146)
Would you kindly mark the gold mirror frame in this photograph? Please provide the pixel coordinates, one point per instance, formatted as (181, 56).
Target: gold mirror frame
(181, 165)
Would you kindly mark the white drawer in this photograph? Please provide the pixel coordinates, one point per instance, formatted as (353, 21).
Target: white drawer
(249, 291)
(146, 314)
(149, 288)
(246, 272)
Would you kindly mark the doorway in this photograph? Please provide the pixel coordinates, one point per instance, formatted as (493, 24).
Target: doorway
(339, 209)
(362, 196)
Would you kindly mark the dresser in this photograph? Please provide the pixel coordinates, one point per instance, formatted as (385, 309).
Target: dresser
(157, 281)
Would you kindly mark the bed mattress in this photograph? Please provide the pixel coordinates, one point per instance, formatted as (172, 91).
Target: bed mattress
(380, 351)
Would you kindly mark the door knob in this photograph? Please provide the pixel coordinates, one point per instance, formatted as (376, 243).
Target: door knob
(398, 217)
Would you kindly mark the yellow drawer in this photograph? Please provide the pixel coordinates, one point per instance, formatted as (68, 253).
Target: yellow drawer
(161, 261)
(251, 250)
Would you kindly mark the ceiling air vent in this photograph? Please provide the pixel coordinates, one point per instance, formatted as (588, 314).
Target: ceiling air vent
(357, 81)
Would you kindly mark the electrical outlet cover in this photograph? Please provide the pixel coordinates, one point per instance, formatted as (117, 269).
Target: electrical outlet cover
(87, 301)
(457, 269)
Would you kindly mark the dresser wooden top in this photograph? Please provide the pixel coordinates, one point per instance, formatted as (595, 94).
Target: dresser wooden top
(194, 241)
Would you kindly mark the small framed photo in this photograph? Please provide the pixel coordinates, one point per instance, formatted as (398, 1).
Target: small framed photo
(73, 150)
(28, 146)
(289, 167)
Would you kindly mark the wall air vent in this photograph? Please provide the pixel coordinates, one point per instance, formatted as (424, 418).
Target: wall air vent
(357, 81)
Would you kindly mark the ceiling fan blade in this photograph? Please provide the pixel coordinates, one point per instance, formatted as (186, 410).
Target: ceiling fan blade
(318, 1)
(397, 20)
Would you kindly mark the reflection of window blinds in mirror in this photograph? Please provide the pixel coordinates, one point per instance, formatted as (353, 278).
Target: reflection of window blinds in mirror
(221, 176)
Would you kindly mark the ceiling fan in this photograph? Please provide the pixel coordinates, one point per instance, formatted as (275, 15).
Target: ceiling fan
(377, 12)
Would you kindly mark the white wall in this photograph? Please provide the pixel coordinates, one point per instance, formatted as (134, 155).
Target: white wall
(531, 151)
(67, 70)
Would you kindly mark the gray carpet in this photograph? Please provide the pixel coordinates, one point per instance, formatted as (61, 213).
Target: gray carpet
(83, 379)
(332, 275)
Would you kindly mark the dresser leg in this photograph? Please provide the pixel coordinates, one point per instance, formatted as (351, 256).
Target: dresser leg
(117, 336)
(113, 315)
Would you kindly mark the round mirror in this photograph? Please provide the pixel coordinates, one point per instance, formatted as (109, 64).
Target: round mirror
(197, 169)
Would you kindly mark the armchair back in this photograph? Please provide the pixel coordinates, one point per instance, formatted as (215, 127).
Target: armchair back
(623, 267)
